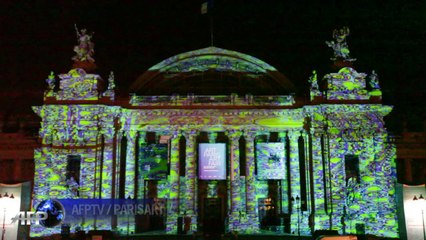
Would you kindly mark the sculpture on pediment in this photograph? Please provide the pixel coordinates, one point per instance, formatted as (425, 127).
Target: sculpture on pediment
(111, 83)
(340, 46)
(374, 80)
(313, 80)
(51, 81)
(85, 48)
(111, 86)
(50, 92)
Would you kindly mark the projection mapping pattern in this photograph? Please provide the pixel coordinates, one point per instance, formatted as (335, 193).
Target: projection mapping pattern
(83, 131)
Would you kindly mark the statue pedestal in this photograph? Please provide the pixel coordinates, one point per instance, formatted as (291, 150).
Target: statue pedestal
(88, 66)
(340, 63)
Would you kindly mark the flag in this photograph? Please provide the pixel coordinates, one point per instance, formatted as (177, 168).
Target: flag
(207, 7)
(204, 7)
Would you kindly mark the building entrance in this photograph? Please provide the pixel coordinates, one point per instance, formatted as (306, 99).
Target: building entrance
(212, 207)
(213, 216)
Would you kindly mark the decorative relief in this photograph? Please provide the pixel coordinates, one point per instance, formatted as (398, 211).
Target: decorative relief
(78, 85)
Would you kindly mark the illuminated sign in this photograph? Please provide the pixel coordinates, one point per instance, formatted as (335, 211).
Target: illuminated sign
(270, 160)
(212, 161)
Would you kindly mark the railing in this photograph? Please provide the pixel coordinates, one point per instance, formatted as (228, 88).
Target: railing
(212, 100)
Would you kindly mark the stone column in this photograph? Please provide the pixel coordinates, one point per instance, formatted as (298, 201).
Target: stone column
(107, 168)
(304, 217)
(320, 178)
(294, 178)
(284, 186)
(191, 177)
(128, 222)
(141, 181)
(251, 201)
(129, 188)
(173, 205)
(235, 190)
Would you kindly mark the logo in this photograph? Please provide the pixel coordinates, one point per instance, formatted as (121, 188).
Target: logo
(30, 218)
(54, 211)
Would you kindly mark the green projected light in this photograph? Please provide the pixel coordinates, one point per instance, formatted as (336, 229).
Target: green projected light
(331, 153)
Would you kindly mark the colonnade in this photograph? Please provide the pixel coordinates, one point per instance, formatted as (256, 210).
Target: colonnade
(187, 202)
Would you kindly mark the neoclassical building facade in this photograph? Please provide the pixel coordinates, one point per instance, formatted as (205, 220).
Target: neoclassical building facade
(221, 139)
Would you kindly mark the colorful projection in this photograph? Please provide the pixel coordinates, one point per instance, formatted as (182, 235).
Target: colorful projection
(212, 161)
(348, 195)
(153, 159)
(270, 161)
(224, 60)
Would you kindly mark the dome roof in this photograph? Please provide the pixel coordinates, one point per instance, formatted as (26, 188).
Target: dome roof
(212, 71)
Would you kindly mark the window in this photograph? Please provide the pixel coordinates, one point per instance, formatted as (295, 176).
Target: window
(73, 167)
(73, 173)
(352, 167)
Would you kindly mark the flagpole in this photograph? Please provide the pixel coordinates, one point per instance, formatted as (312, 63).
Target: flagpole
(207, 7)
(211, 29)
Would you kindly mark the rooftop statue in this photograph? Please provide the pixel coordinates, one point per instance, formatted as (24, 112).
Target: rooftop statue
(85, 48)
(111, 84)
(313, 80)
(340, 47)
(374, 80)
(51, 81)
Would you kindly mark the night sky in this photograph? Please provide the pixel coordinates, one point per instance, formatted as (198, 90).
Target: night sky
(37, 37)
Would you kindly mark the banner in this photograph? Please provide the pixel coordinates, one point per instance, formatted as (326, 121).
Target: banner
(270, 161)
(153, 161)
(212, 157)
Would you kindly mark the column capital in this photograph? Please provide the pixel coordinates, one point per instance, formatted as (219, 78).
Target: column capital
(293, 134)
(189, 133)
(250, 135)
(234, 134)
(176, 134)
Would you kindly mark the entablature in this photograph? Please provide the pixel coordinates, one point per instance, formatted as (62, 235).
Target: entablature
(282, 118)
(212, 100)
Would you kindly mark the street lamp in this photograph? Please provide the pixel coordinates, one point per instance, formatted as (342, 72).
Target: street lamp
(5, 198)
(298, 213)
(128, 217)
(421, 200)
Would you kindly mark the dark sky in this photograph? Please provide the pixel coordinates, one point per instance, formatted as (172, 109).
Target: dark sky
(130, 36)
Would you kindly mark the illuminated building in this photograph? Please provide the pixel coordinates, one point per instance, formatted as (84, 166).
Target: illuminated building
(331, 154)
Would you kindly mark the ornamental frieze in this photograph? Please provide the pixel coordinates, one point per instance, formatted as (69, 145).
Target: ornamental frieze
(210, 117)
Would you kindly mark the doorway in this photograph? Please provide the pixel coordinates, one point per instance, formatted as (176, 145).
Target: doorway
(212, 206)
(213, 217)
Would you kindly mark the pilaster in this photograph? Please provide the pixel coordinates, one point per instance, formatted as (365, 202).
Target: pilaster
(294, 177)
(235, 189)
(173, 206)
(141, 182)
(251, 201)
(129, 189)
(191, 196)
(284, 183)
